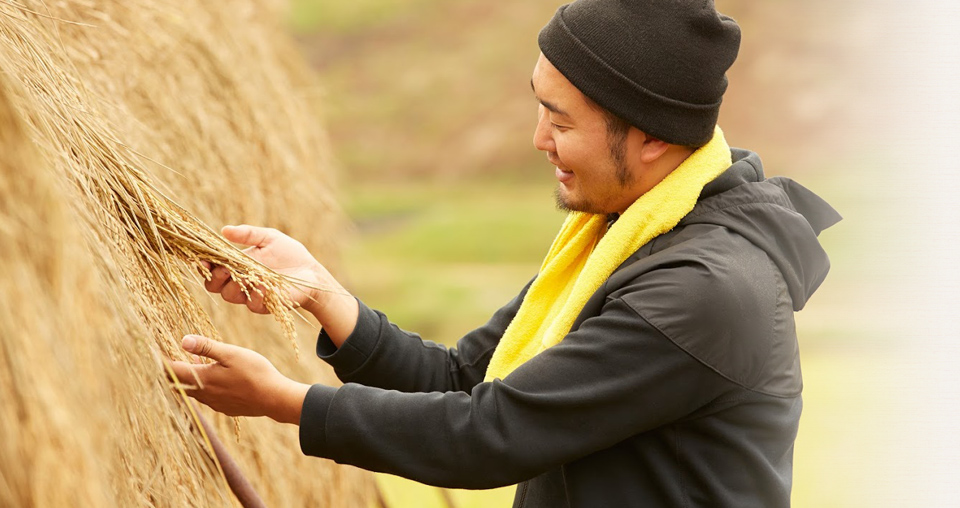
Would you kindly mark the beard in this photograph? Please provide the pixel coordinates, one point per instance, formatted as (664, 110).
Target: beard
(562, 204)
(586, 205)
(567, 206)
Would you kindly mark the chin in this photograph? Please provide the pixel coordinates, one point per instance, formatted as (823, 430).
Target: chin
(566, 204)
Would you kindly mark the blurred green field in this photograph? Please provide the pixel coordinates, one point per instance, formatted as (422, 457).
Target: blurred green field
(430, 114)
(442, 258)
(309, 16)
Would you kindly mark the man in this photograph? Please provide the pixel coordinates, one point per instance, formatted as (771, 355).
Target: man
(653, 359)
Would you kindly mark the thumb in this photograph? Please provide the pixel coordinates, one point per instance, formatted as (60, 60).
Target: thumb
(209, 348)
(253, 236)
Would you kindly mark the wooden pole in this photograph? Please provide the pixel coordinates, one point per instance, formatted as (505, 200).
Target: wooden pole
(238, 483)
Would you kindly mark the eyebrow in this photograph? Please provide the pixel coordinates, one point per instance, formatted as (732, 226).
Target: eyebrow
(549, 105)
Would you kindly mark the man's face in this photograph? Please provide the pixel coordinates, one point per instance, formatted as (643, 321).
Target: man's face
(592, 167)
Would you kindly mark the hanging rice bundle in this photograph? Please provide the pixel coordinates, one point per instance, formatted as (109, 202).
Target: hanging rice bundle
(84, 420)
(126, 128)
(37, 398)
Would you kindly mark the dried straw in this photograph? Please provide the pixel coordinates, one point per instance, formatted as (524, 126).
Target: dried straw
(77, 400)
(36, 403)
(121, 107)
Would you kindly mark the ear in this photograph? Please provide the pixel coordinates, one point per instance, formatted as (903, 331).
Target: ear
(652, 148)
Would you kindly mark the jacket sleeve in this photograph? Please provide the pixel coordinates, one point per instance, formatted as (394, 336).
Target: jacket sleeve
(380, 354)
(615, 376)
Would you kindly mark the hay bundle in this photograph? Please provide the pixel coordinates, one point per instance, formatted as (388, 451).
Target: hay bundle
(64, 335)
(126, 104)
(37, 405)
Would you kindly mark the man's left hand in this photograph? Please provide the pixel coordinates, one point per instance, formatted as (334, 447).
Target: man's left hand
(240, 382)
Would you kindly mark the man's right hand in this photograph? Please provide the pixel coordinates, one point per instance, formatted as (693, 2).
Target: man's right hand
(327, 300)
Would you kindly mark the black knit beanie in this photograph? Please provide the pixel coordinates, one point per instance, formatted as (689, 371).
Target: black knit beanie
(658, 64)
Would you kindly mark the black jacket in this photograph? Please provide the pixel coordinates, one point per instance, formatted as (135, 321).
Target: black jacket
(678, 385)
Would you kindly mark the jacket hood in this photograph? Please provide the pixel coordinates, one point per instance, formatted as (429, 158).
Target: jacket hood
(778, 215)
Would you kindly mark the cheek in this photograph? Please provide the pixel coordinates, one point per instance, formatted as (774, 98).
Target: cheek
(581, 146)
(576, 156)
(567, 149)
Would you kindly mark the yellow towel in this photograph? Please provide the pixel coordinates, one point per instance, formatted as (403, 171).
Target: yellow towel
(579, 260)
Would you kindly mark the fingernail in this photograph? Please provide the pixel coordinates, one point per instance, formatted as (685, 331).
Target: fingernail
(189, 342)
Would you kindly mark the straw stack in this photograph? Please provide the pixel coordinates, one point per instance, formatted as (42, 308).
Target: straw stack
(126, 127)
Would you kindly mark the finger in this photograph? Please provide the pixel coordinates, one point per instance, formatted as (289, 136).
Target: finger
(253, 236)
(202, 346)
(218, 277)
(186, 376)
(255, 302)
(232, 293)
(206, 264)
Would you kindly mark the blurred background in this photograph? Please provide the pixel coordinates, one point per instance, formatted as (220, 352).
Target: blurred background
(431, 118)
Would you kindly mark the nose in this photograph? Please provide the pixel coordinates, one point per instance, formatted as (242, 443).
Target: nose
(542, 135)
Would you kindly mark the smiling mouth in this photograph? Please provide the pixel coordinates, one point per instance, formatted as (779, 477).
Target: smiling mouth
(563, 176)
